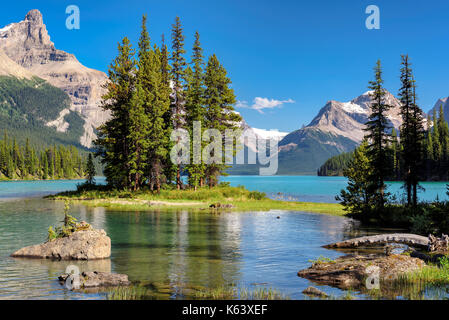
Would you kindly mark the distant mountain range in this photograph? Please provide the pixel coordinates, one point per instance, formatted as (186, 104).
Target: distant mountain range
(337, 128)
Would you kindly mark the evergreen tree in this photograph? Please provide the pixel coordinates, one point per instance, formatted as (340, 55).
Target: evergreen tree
(395, 146)
(178, 77)
(443, 131)
(418, 145)
(170, 169)
(195, 110)
(429, 144)
(219, 113)
(113, 135)
(437, 150)
(412, 133)
(90, 169)
(358, 197)
(45, 167)
(377, 137)
(139, 138)
(158, 106)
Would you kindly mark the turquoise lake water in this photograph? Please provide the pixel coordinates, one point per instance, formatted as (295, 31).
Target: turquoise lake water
(323, 189)
(175, 250)
(301, 188)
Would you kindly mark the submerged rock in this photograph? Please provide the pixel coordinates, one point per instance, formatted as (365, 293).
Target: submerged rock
(351, 271)
(312, 291)
(80, 245)
(95, 279)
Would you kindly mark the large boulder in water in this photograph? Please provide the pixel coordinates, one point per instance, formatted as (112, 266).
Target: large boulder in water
(80, 245)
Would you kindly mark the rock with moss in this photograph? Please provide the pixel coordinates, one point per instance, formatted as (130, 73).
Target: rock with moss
(89, 244)
(351, 271)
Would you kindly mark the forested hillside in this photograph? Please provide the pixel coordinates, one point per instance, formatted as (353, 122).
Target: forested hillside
(25, 107)
(335, 166)
(24, 161)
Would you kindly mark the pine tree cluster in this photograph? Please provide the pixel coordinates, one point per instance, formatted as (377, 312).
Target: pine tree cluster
(382, 155)
(152, 92)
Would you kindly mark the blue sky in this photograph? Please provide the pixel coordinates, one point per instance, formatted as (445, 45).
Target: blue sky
(301, 53)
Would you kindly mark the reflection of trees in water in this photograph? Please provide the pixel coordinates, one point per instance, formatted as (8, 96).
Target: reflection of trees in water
(204, 246)
(174, 248)
(93, 215)
(408, 291)
(355, 229)
(334, 228)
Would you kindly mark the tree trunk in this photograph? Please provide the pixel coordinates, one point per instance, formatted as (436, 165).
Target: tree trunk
(412, 240)
(178, 178)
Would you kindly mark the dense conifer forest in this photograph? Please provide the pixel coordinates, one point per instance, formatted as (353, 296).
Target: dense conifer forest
(28, 162)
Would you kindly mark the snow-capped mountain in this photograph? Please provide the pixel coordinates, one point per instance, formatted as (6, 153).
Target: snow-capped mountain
(348, 119)
(274, 134)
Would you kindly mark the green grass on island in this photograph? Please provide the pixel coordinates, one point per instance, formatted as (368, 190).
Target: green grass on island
(201, 199)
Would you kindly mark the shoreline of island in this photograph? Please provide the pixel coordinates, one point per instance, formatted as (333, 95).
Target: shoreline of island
(215, 199)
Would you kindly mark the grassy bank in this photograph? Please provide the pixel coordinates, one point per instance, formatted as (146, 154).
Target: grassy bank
(222, 197)
(199, 293)
(434, 274)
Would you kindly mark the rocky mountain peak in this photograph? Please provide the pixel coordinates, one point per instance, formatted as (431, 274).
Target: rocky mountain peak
(34, 16)
(28, 44)
(441, 102)
(348, 119)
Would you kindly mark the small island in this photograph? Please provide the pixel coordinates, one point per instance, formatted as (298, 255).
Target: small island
(220, 198)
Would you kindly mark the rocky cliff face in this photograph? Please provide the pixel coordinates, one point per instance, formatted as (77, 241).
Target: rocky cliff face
(12, 69)
(28, 44)
(444, 102)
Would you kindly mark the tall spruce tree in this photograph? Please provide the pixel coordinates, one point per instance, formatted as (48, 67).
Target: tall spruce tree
(412, 133)
(158, 107)
(219, 114)
(418, 145)
(195, 111)
(113, 136)
(178, 67)
(138, 137)
(406, 96)
(170, 169)
(139, 118)
(377, 136)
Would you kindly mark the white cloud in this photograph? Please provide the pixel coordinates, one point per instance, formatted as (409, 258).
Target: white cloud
(263, 103)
